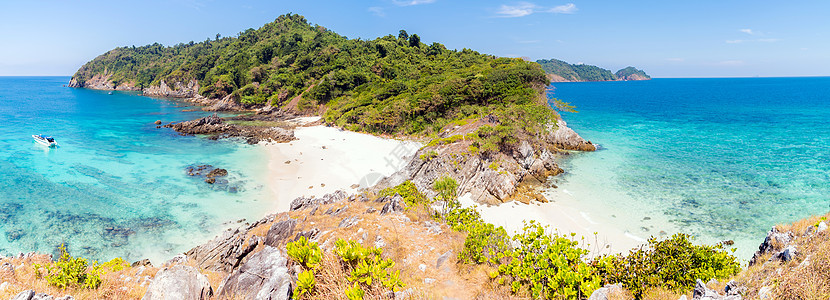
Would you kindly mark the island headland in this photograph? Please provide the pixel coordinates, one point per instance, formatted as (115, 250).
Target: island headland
(486, 135)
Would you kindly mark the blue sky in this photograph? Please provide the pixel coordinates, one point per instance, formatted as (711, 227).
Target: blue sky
(665, 38)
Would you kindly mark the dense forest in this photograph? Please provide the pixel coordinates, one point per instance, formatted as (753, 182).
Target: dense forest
(391, 84)
(582, 72)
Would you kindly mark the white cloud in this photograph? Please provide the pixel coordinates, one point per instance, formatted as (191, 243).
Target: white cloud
(377, 10)
(521, 9)
(756, 40)
(564, 9)
(747, 31)
(412, 2)
(731, 63)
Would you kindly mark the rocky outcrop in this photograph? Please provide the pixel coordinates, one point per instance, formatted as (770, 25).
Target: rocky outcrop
(701, 292)
(212, 124)
(225, 252)
(309, 202)
(103, 82)
(179, 282)
(178, 90)
(216, 128)
(774, 242)
(567, 139)
(263, 276)
(488, 179)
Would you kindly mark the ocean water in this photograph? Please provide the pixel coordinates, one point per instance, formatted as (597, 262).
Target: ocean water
(116, 186)
(722, 159)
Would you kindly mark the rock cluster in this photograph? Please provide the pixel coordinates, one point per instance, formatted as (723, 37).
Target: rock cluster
(731, 292)
(216, 127)
(777, 243)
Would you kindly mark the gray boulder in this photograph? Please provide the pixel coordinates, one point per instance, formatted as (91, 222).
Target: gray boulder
(179, 282)
(280, 231)
(25, 295)
(264, 276)
(787, 254)
(606, 292)
(393, 204)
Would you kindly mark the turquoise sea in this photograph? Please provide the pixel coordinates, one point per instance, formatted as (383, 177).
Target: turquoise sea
(722, 159)
(116, 185)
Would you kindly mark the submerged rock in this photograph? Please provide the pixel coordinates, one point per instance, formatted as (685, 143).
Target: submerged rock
(179, 282)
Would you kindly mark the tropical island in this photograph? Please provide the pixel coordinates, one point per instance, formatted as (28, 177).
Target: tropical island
(561, 71)
(487, 135)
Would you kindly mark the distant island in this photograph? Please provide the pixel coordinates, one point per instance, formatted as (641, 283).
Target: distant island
(561, 71)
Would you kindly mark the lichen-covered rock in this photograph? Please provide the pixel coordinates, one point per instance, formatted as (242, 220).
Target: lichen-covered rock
(179, 282)
(263, 276)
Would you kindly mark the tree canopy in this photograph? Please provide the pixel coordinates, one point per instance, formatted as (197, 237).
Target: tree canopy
(391, 84)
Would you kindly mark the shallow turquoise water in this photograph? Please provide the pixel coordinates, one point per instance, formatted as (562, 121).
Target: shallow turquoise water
(116, 185)
(723, 159)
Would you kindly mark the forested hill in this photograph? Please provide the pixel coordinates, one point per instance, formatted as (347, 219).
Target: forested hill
(560, 71)
(391, 84)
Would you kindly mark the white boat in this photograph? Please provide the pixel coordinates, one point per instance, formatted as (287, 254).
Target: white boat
(45, 140)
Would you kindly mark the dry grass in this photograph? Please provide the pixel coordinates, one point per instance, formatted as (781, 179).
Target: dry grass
(128, 283)
(796, 279)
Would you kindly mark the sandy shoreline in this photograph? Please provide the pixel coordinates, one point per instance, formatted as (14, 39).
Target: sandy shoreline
(325, 159)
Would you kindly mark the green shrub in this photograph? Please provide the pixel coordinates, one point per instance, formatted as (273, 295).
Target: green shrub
(355, 292)
(446, 187)
(485, 243)
(674, 264)
(366, 266)
(428, 156)
(306, 254)
(494, 166)
(71, 271)
(550, 266)
(305, 284)
(116, 264)
(408, 191)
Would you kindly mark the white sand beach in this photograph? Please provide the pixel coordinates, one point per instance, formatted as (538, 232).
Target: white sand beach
(601, 237)
(326, 159)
